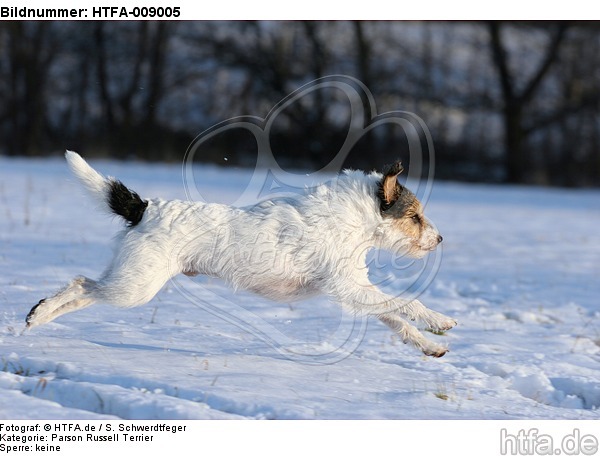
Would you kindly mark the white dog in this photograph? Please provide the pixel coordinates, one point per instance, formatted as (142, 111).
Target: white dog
(283, 249)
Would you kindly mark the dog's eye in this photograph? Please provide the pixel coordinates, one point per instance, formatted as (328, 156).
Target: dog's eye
(416, 218)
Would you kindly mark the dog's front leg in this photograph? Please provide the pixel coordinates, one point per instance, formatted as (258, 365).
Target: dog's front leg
(416, 310)
(368, 300)
(372, 301)
(410, 334)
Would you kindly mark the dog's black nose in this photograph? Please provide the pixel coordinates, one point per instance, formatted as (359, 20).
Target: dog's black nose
(440, 238)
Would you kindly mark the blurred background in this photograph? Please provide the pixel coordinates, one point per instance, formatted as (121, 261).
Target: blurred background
(514, 102)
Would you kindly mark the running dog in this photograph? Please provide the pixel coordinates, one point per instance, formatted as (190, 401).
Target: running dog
(282, 249)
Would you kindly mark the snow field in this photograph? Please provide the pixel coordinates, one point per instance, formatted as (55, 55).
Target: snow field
(519, 270)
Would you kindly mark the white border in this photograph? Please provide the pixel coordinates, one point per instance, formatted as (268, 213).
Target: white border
(347, 438)
(338, 10)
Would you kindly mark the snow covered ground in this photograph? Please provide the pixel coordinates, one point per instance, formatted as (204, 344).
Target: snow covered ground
(519, 269)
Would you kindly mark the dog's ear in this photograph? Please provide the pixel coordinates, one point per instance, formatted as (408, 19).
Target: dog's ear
(389, 188)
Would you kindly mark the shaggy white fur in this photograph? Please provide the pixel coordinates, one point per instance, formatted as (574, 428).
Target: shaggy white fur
(283, 249)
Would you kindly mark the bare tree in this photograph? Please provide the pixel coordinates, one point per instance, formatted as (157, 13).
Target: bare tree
(130, 70)
(30, 50)
(519, 100)
(515, 99)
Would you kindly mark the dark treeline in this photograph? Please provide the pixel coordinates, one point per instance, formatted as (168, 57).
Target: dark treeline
(504, 101)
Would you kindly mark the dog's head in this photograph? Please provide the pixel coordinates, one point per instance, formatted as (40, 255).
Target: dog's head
(404, 230)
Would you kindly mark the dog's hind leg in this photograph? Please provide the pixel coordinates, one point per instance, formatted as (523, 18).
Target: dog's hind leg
(132, 279)
(77, 295)
(116, 288)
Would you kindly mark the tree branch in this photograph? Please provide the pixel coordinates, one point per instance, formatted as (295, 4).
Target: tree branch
(590, 101)
(501, 60)
(549, 59)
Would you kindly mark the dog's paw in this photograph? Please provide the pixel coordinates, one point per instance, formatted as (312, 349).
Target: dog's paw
(33, 317)
(440, 324)
(447, 324)
(436, 352)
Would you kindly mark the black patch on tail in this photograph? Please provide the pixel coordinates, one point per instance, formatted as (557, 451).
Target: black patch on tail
(126, 203)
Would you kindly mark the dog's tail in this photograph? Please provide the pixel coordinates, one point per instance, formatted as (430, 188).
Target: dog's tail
(109, 192)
